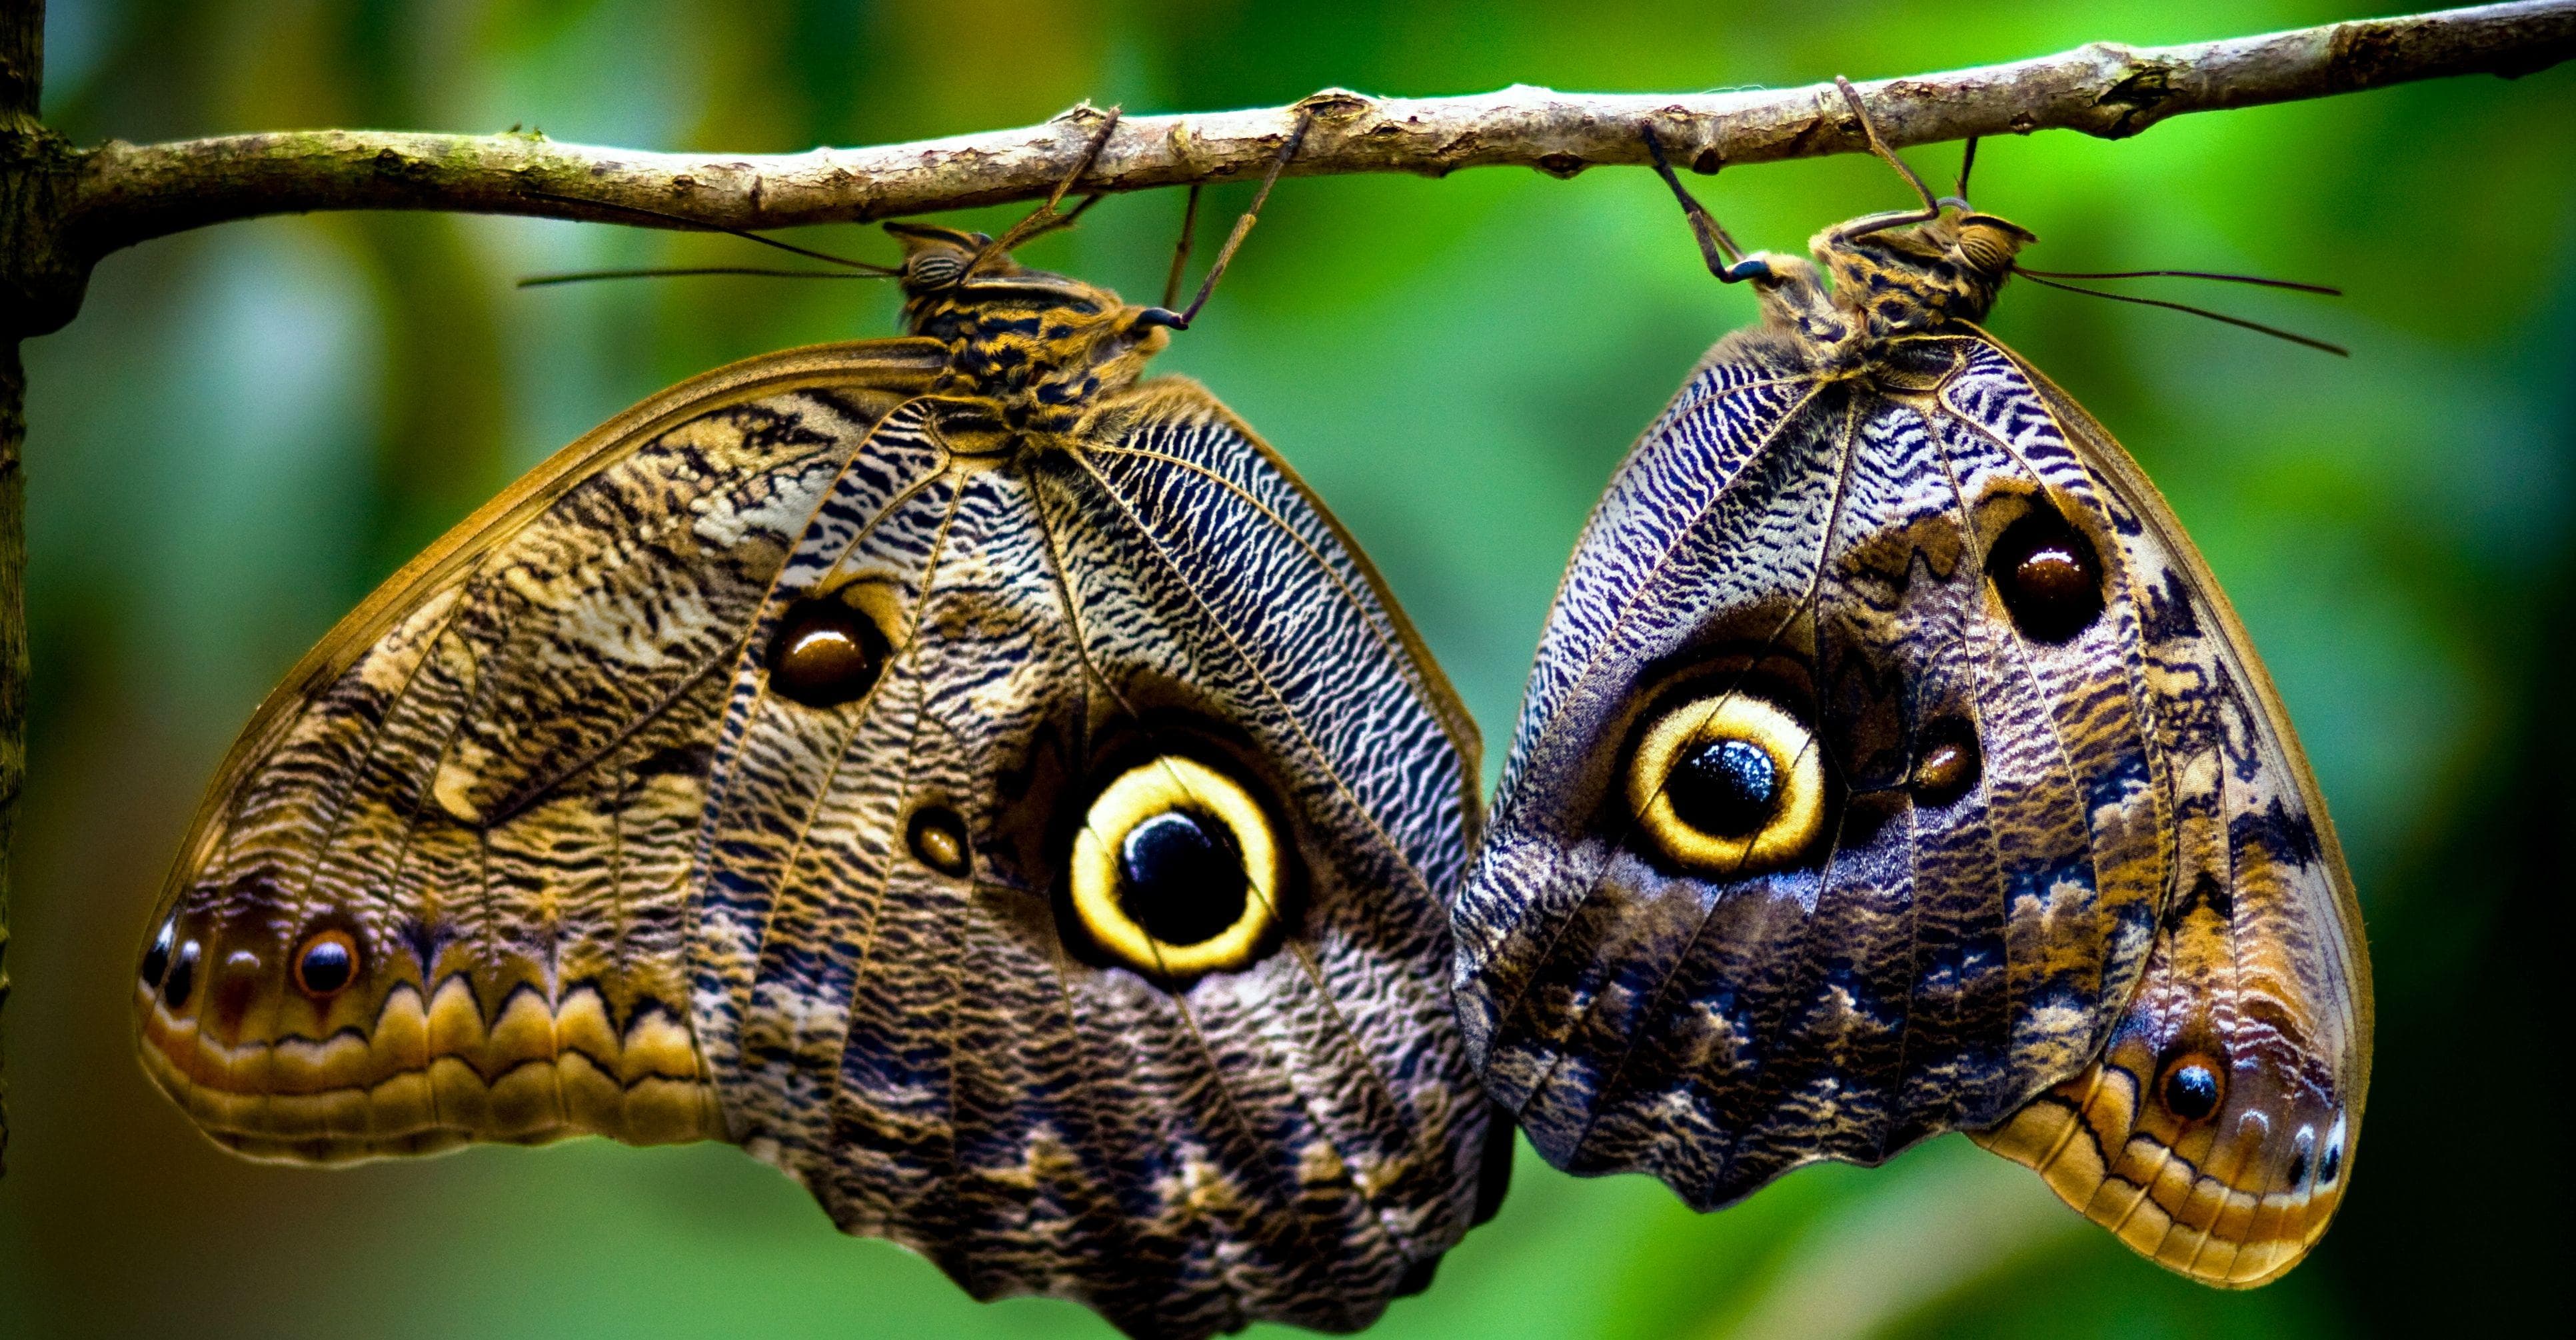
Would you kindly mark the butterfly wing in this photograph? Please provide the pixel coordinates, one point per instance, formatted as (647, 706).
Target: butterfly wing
(1935, 628)
(437, 892)
(1785, 563)
(922, 1008)
(2214, 1133)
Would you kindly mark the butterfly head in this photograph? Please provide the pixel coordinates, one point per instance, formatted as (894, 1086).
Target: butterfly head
(1915, 276)
(1043, 345)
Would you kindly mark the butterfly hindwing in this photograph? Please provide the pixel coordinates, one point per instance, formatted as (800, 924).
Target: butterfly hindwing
(2214, 1132)
(938, 1052)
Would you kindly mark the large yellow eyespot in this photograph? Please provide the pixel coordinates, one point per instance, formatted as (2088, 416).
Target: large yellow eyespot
(1729, 783)
(1176, 870)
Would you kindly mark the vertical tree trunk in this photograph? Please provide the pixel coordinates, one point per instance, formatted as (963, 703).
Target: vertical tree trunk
(13, 658)
(22, 42)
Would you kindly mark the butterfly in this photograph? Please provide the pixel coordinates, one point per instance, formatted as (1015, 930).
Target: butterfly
(979, 781)
(1892, 764)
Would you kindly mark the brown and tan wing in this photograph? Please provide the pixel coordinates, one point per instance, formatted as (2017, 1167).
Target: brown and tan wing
(1887, 757)
(438, 891)
(2216, 1132)
(1087, 932)
(1805, 849)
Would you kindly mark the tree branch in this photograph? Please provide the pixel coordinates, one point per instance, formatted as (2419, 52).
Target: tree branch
(122, 193)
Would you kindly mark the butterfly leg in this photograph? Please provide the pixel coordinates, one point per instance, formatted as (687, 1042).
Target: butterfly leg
(1967, 164)
(1725, 259)
(1045, 218)
(1181, 251)
(1869, 129)
(1180, 320)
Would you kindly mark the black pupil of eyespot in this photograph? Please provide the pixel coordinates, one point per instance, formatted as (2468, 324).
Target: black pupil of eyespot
(825, 654)
(156, 960)
(182, 978)
(2298, 1166)
(2333, 1163)
(2191, 1092)
(2048, 575)
(1727, 788)
(326, 966)
(1181, 877)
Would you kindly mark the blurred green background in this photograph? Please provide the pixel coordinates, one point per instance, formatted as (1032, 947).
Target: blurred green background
(251, 425)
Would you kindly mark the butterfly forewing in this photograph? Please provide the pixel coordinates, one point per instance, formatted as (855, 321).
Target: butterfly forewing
(935, 1051)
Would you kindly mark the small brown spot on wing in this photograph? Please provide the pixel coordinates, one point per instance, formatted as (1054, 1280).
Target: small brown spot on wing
(1949, 765)
(326, 963)
(937, 837)
(182, 981)
(2191, 1088)
(156, 956)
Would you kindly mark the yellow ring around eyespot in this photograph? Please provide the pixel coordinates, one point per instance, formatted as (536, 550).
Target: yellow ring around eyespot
(1731, 716)
(1160, 786)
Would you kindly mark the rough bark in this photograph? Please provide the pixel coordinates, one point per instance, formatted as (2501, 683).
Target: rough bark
(24, 227)
(125, 193)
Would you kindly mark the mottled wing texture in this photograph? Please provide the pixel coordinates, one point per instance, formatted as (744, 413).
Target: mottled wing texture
(1297, 1140)
(491, 778)
(2260, 974)
(1821, 540)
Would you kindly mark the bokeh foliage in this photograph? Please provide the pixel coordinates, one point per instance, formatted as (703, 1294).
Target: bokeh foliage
(250, 426)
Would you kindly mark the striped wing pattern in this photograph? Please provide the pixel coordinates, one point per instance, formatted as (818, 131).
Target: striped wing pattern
(1295, 1141)
(2259, 969)
(1930, 967)
(599, 880)
(493, 778)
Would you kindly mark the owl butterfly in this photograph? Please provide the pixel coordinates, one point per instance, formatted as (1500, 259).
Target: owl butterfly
(982, 783)
(1892, 764)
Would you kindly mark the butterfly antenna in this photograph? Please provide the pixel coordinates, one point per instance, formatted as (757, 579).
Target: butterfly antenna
(2273, 331)
(1044, 219)
(1181, 252)
(1180, 320)
(2290, 284)
(584, 276)
(1869, 130)
(1725, 259)
(1967, 164)
(698, 225)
